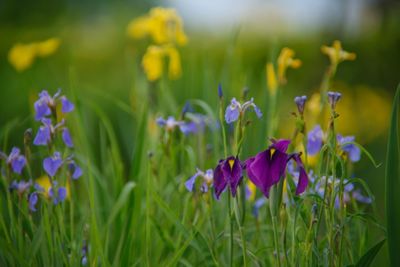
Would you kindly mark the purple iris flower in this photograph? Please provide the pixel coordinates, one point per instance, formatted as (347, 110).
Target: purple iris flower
(352, 150)
(229, 172)
(46, 103)
(300, 101)
(333, 98)
(15, 160)
(267, 167)
(67, 138)
(75, 170)
(52, 164)
(314, 140)
(20, 186)
(207, 176)
(233, 111)
(59, 195)
(303, 177)
(32, 201)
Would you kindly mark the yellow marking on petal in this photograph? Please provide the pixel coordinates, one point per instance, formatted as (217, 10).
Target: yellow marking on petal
(272, 151)
(231, 163)
(252, 189)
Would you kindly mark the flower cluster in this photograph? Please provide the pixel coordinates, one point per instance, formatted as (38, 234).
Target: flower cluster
(22, 56)
(165, 27)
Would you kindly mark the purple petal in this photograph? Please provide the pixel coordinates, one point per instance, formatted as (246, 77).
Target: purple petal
(18, 164)
(66, 105)
(43, 136)
(314, 140)
(257, 111)
(62, 193)
(41, 109)
(232, 112)
(33, 199)
(220, 182)
(189, 184)
(188, 127)
(303, 177)
(52, 164)
(67, 138)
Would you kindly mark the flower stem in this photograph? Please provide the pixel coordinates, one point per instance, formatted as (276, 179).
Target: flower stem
(231, 229)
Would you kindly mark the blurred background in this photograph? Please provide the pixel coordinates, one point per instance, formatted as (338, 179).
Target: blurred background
(229, 42)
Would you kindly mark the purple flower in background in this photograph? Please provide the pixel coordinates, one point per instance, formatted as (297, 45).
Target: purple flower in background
(227, 173)
(351, 149)
(207, 176)
(233, 111)
(52, 164)
(257, 205)
(15, 160)
(67, 138)
(333, 98)
(20, 186)
(300, 101)
(220, 93)
(314, 140)
(32, 201)
(59, 195)
(66, 105)
(196, 124)
(169, 124)
(75, 170)
(267, 167)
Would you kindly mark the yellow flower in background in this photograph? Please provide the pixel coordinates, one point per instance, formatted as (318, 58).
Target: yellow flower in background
(336, 53)
(21, 56)
(174, 66)
(252, 190)
(271, 78)
(163, 25)
(44, 182)
(48, 47)
(153, 62)
(286, 60)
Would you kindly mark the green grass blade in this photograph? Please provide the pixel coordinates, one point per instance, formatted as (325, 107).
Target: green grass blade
(369, 256)
(393, 184)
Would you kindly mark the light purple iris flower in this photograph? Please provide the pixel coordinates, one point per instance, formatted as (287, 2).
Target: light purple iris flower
(207, 177)
(15, 160)
(52, 164)
(352, 150)
(234, 109)
(229, 172)
(20, 186)
(47, 131)
(314, 140)
(196, 124)
(46, 104)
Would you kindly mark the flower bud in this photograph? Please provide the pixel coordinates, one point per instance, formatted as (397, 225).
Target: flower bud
(300, 101)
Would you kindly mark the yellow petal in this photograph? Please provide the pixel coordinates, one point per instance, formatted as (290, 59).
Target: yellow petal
(21, 56)
(48, 47)
(174, 68)
(152, 62)
(271, 79)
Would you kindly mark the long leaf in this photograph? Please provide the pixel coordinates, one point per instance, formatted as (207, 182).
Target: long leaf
(393, 185)
(369, 256)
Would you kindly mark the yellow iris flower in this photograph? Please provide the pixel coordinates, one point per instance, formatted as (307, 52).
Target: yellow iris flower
(21, 56)
(163, 25)
(336, 53)
(286, 60)
(153, 61)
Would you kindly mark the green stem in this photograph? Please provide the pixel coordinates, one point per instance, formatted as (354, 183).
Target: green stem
(231, 229)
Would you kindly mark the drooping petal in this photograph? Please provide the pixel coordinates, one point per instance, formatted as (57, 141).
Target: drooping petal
(52, 164)
(67, 138)
(41, 109)
(189, 184)
(18, 164)
(188, 127)
(303, 177)
(75, 170)
(62, 193)
(281, 145)
(220, 182)
(32, 200)
(66, 105)
(43, 136)
(257, 111)
(232, 111)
